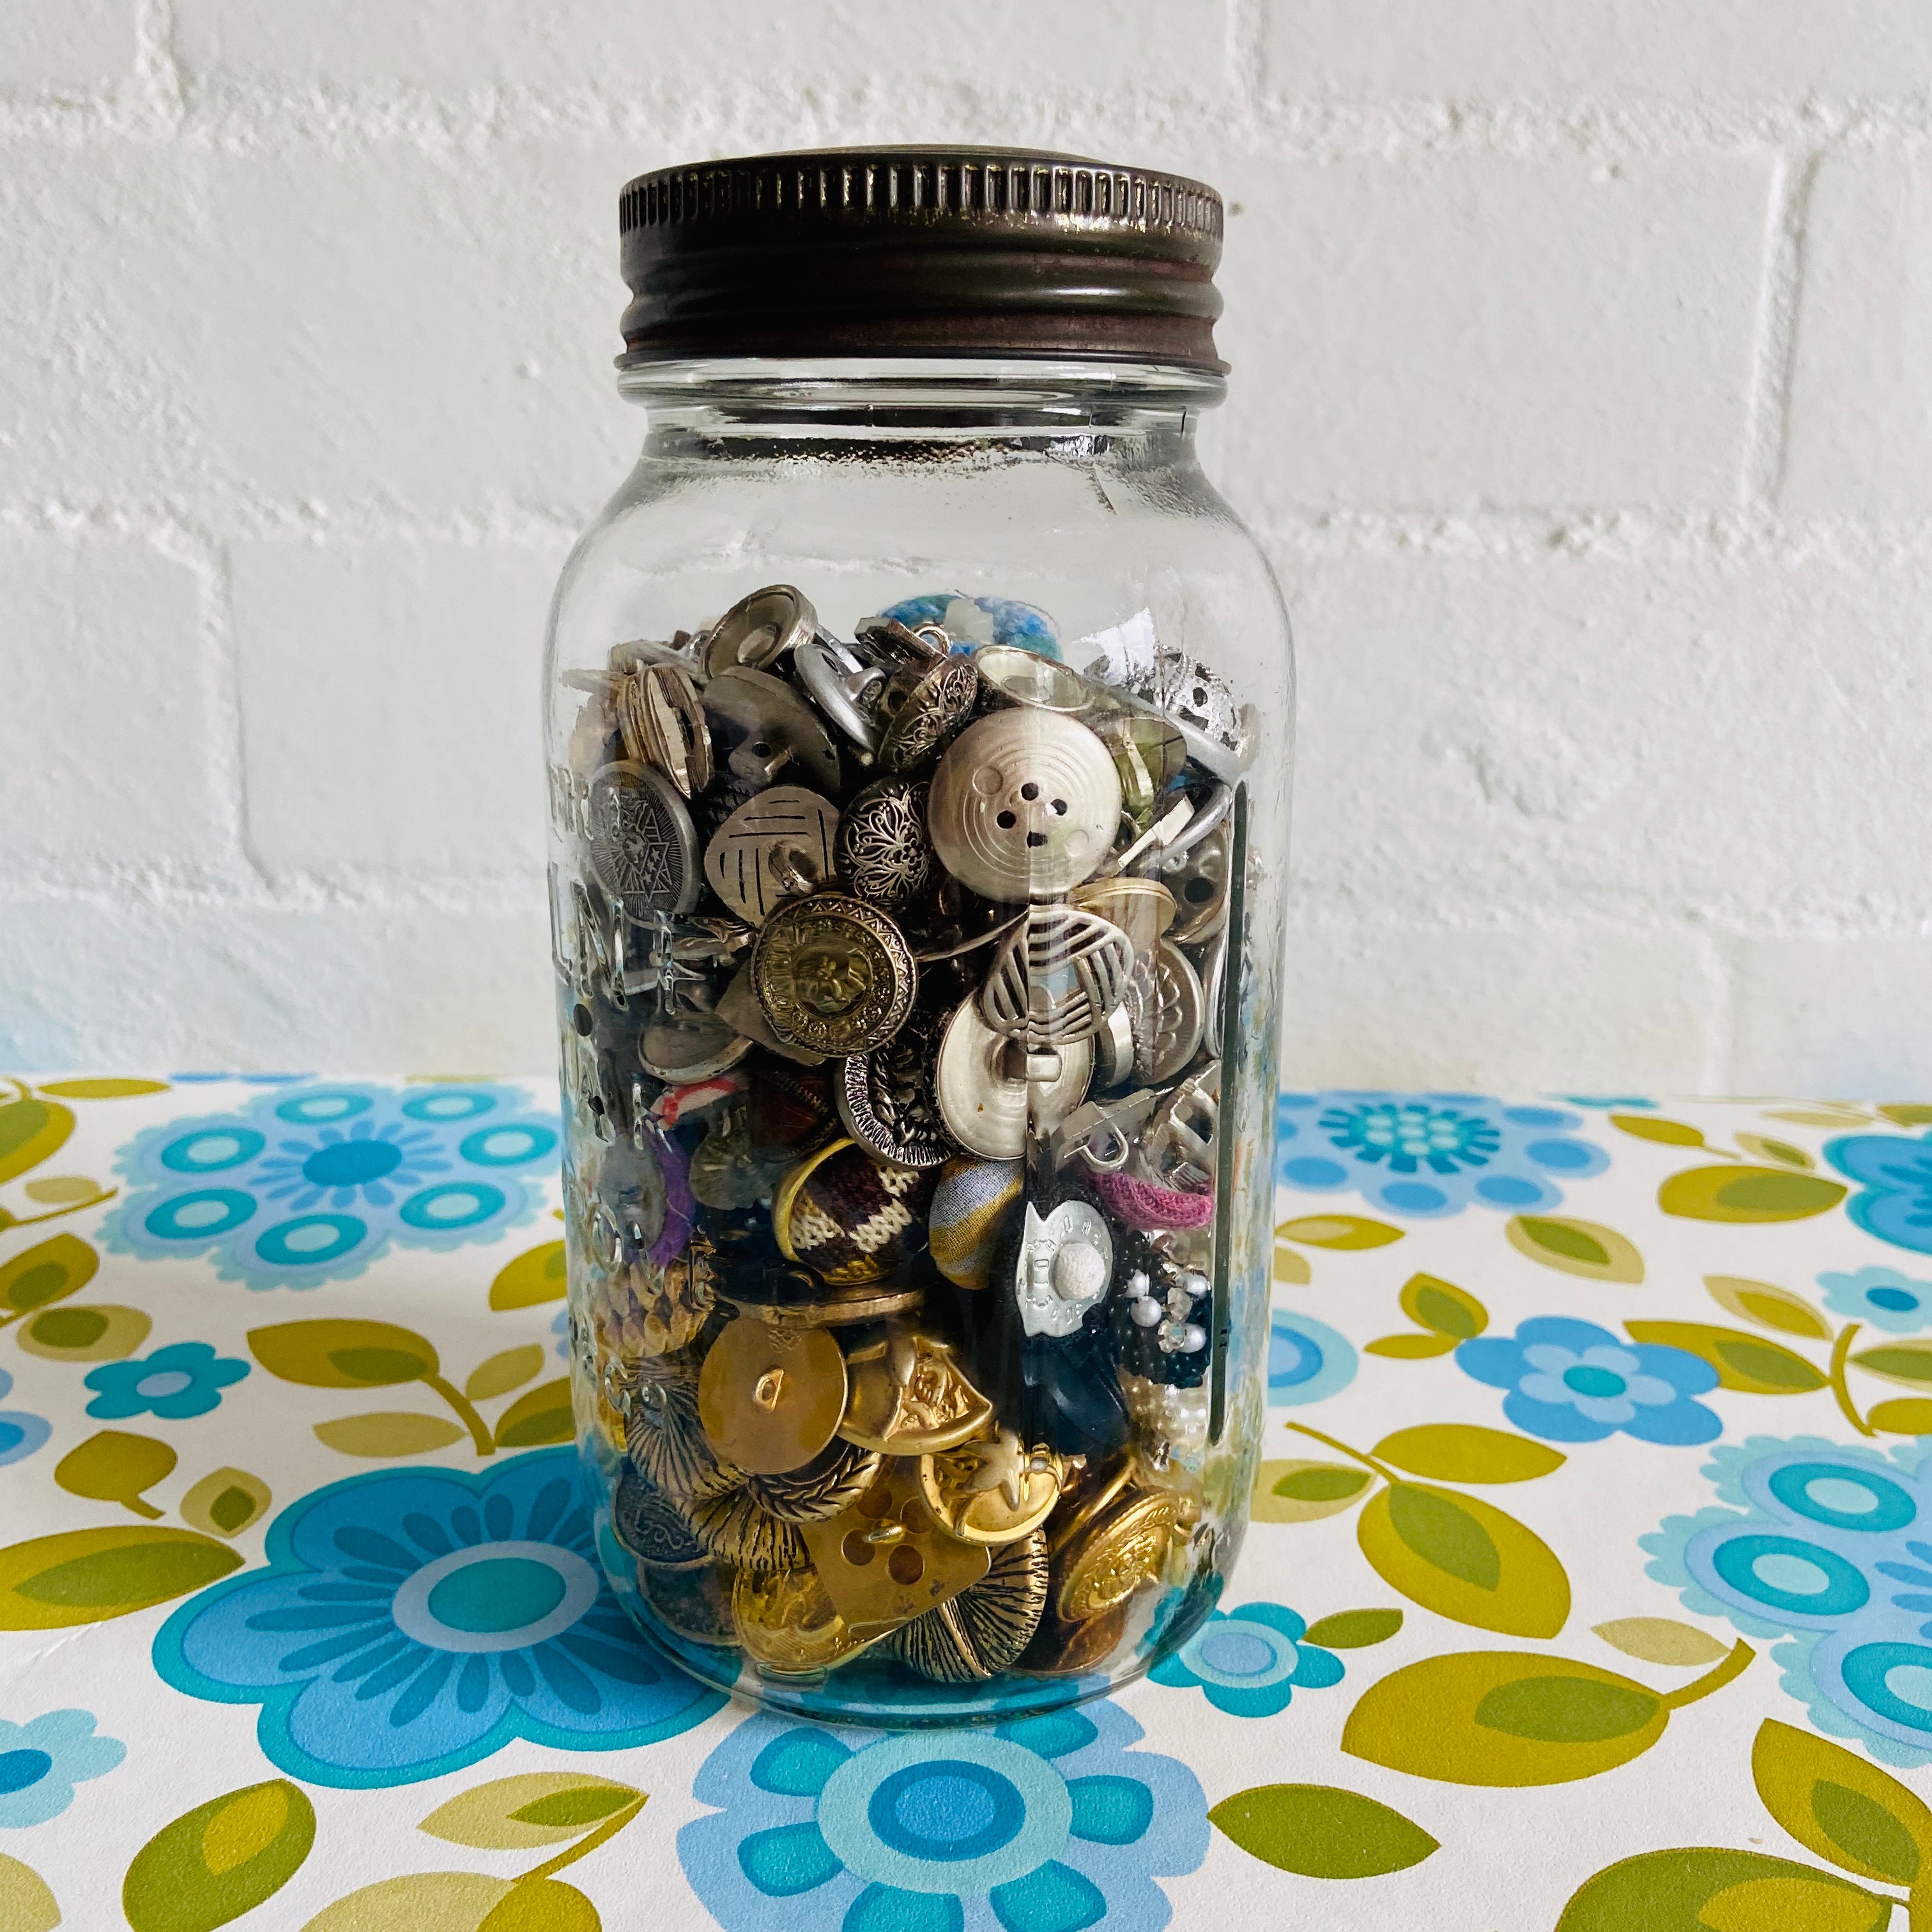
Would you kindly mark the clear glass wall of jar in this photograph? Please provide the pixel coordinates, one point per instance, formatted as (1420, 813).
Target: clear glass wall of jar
(918, 1024)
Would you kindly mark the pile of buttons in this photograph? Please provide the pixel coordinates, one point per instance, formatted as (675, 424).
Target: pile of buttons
(895, 972)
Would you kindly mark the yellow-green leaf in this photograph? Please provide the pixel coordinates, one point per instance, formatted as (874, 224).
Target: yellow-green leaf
(1410, 1347)
(1661, 1640)
(1294, 1492)
(102, 1090)
(111, 1467)
(501, 1373)
(1649, 1127)
(1770, 1307)
(540, 1275)
(418, 1902)
(1822, 1116)
(226, 1502)
(61, 1190)
(1836, 1804)
(30, 1130)
(1353, 1630)
(529, 1811)
(26, 1904)
(1681, 1891)
(100, 1332)
(1911, 1415)
(50, 1270)
(1575, 1247)
(1907, 1362)
(1906, 1113)
(1465, 1559)
(1443, 1308)
(1746, 1363)
(87, 1576)
(343, 1354)
(1461, 1452)
(544, 1415)
(542, 1905)
(1291, 1268)
(220, 1860)
(389, 1433)
(1747, 1194)
(1783, 1153)
(1503, 1717)
(1338, 1230)
(1321, 1831)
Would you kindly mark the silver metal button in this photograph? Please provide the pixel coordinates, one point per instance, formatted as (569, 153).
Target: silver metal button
(1056, 977)
(882, 848)
(1199, 883)
(1066, 1261)
(1169, 1011)
(642, 845)
(774, 847)
(772, 729)
(845, 686)
(757, 631)
(987, 1108)
(1024, 805)
(660, 719)
(1025, 678)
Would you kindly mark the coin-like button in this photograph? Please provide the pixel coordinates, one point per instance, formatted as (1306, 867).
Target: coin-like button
(774, 846)
(1123, 1549)
(643, 847)
(1024, 805)
(770, 1399)
(833, 973)
(993, 1488)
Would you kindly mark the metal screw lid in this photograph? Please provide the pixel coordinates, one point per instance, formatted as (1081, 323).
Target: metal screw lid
(920, 252)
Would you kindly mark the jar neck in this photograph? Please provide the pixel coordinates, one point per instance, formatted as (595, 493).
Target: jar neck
(724, 403)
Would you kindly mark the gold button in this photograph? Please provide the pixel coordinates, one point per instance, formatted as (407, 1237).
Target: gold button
(885, 1560)
(833, 974)
(771, 1398)
(992, 1489)
(1120, 1552)
(910, 1398)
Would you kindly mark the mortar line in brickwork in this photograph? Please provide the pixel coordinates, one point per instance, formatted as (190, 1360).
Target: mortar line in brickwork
(1774, 350)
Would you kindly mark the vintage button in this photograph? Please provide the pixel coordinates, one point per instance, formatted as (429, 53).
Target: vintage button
(1150, 756)
(845, 687)
(790, 1111)
(1221, 734)
(884, 1560)
(1091, 1491)
(694, 1046)
(770, 1399)
(927, 696)
(993, 1488)
(970, 1208)
(660, 719)
(724, 1171)
(693, 1604)
(1169, 1011)
(1023, 677)
(833, 973)
(786, 1624)
(1199, 880)
(759, 630)
(834, 1480)
(1060, 1649)
(1178, 1143)
(984, 1628)
(846, 1217)
(1117, 1554)
(738, 1007)
(988, 1110)
(882, 849)
(645, 1522)
(828, 1308)
(1024, 805)
(771, 730)
(641, 843)
(666, 1439)
(909, 1397)
(738, 1529)
(1113, 1050)
(1056, 977)
(775, 846)
(1104, 1134)
(1064, 1264)
(1142, 908)
(886, 1098)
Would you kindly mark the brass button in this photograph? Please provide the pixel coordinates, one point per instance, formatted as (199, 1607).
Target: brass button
(984, 1628)
(910, 1398)
(992, 1488)
(1024, 805)
(1119, 1552)
(833, 974)
(986, 1105)
(885, 1560)
(775, 846)
(786, 1624)
(770, 1399)
(642, 844)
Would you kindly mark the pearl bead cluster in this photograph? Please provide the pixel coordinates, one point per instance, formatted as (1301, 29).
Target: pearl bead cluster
(1178, 1335)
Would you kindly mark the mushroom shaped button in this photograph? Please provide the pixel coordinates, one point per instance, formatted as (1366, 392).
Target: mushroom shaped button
(1024, 805)
(758, 630)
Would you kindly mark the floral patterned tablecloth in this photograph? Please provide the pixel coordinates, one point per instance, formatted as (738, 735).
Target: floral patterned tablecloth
(1590, 1585)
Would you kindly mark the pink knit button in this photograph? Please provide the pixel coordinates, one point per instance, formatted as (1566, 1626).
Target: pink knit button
(1148, 1207)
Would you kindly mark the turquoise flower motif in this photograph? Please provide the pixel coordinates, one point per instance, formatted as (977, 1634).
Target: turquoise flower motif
(21, 1432)
(40, 1763)
(1882, 1296)
(1307, 1360)
(1571, 1381)
(312, 1185)
(1430, 1155)
(980, 620)
(1050, 1824)
(412, 1622)
(1894, 1201)
(183, 1379)
(1250, 1661)
(1833, 1549)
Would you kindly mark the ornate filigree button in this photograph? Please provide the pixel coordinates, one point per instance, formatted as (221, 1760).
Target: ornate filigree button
(641, 843)
(833, 973)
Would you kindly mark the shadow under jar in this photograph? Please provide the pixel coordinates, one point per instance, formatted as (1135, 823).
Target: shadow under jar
(918, 729)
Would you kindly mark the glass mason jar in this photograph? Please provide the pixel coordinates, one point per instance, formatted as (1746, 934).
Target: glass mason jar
(918, 729)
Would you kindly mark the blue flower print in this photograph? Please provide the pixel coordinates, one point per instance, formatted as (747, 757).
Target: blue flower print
(40, 1763)
(1603, 1102)
(411, 1621)
(21, 1433)
(980, 620)
(185, 1379)
(1250, 1661)
(312, 1185)
(1049, 1824)
(1895, 1172)
(1571, 1381)
(1307, 1360)
(1833, 1549)
(1882, 1296)
(1430, 1155)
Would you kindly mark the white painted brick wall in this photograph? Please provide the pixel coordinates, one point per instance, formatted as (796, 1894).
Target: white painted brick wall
(1583, 353)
